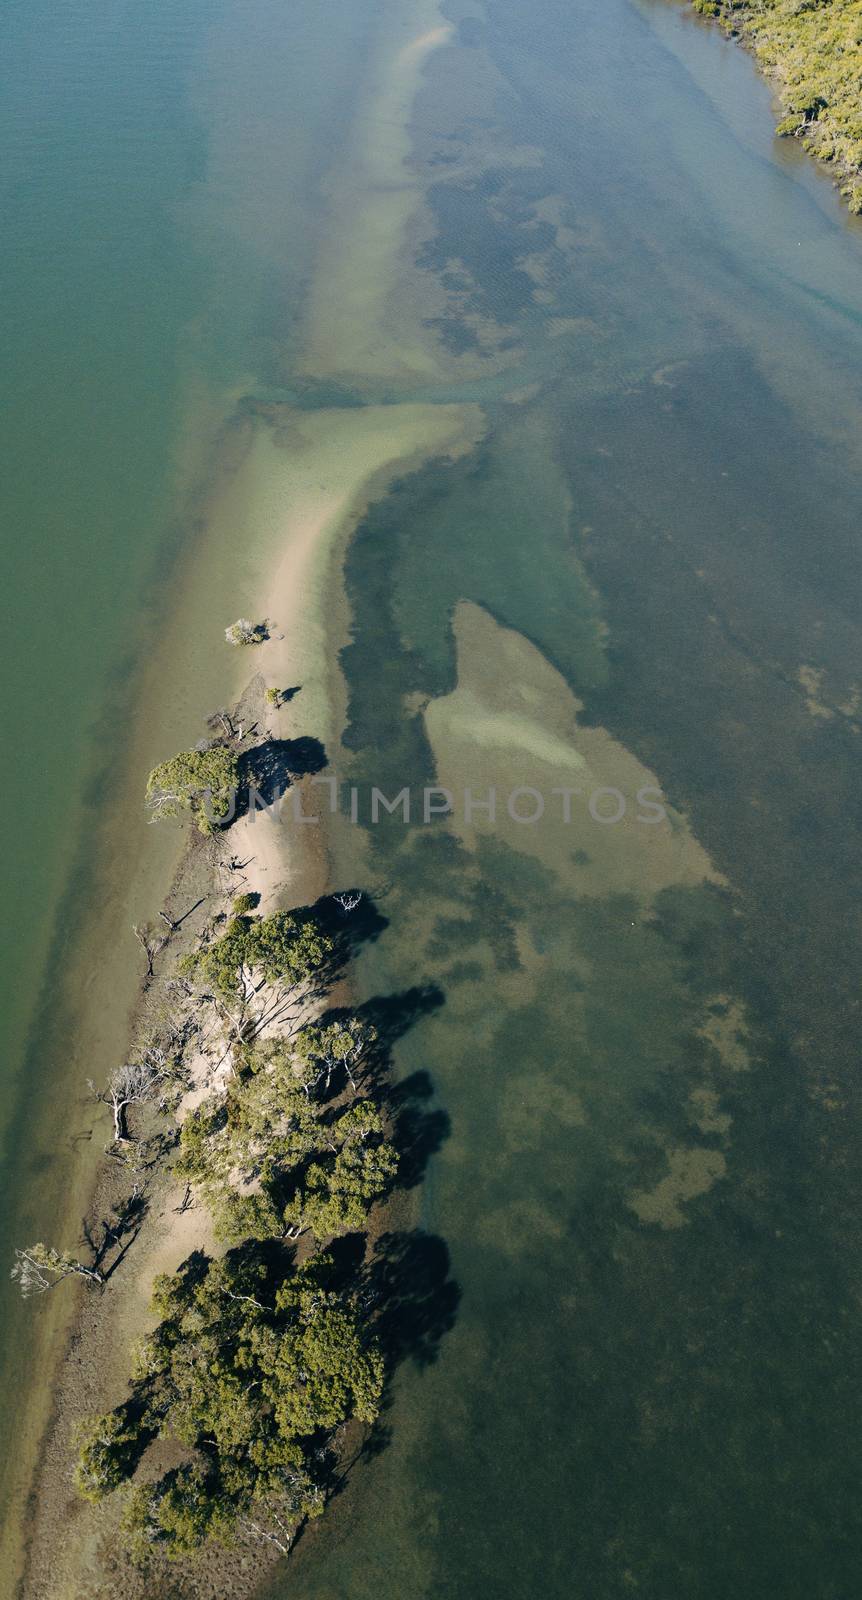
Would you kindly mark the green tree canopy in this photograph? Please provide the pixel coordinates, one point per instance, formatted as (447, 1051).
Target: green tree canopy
(250, 1376)
(321, 1049)
(285, 950)
(202, 782)
(271, 1159)
(262, 969)
(110, 1448)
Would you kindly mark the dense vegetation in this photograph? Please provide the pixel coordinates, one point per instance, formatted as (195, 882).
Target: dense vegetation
(272, 1156)
(259, 1356)
(250, 1370)
(813, 51)
(262, 969)
(202, 782)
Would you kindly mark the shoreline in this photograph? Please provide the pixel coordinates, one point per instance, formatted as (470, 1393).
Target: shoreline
(285, 871)
(97, 996)
(240, 557)
(93, 1365)
(821, 134)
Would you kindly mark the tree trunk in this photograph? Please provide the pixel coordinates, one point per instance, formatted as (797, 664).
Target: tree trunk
(119, 1109)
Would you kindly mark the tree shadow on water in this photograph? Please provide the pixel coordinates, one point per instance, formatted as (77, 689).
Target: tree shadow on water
(118, 1233)
(405, 1284)
(416, 1300)
(419, 1129)
(392, 1015)
(412, 1303)
(349, 930)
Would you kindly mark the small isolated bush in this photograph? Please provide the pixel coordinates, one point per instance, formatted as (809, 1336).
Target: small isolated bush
(244, 903)
(244, 632)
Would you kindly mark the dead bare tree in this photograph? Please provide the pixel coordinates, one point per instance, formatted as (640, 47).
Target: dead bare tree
(348, 901)
(150, 944)
(133, 1083)
(281, 1544)
(222, 719)
(285, 1513)
(41, 1267)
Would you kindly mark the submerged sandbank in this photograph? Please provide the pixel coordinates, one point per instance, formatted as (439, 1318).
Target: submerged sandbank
(359, 318)
(512, 726)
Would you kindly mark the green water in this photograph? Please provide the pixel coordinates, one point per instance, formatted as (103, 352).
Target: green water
(154, 241)
(646, 1387)
(630, 1343)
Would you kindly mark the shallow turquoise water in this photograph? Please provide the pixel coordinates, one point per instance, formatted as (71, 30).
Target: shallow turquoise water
(98, 146)
(154, 239)
(96, 290)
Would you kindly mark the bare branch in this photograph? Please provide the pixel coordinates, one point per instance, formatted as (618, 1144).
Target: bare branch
(133, 1083)
(40, 1267)
(150, 945)
(348, 901)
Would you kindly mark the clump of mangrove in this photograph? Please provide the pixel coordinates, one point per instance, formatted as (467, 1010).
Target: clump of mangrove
(265, 1349)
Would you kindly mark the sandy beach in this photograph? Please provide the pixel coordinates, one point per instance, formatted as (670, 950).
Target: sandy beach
(304, 482)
